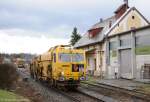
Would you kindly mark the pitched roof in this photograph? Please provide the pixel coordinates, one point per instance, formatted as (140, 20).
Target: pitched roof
(122, 17)
(120, 7)
(85, 40)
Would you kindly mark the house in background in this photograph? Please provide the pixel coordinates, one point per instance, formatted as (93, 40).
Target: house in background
(101, 53)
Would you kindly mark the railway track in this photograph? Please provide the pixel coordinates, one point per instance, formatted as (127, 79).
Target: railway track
(96, 94)
(73, 96)
(80, 96)
(66, 95)
(76, 95)
(134, 94)
(91, 96)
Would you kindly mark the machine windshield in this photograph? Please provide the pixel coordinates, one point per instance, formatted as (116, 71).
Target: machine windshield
(78, 57)
(75, 57)
(64, 57)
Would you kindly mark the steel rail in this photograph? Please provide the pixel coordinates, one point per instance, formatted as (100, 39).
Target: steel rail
(98, 100)
(134, 93)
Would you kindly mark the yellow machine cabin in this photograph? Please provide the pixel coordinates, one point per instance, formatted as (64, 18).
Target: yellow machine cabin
(62, 65)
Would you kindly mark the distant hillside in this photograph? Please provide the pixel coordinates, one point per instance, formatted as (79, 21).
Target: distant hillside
(25, 56)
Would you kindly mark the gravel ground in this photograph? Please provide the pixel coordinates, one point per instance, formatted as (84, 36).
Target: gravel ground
(46, 94)
(82, 97)
(24, 89)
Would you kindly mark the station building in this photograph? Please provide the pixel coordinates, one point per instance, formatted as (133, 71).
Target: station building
(111, 45)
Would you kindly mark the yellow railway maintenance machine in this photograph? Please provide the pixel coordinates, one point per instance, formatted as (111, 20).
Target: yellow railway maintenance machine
(60, 66)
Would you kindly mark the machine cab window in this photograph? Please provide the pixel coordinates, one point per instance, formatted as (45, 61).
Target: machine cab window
(54, 57)
(65, 57)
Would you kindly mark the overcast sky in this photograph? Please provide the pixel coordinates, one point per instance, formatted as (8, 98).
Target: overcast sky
(33, 26)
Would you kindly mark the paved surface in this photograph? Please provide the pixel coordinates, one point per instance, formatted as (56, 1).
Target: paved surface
(122, 83)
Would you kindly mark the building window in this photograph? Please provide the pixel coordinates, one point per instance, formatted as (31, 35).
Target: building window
(93, 32)
(133, 17)
(125, 42)
(145, 71)
(88, 62)
(143, 41)
(112, 45)
(143, 45)
(112, 50)
(118, 24)
(54, 57)
(95, 64)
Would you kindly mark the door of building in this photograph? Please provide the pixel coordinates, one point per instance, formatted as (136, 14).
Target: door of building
(92, 65)
(126, 64)
(146, 71)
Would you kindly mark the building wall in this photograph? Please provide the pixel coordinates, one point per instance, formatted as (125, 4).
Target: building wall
(125, 44)
(104, 60)
(112, 63)
(95, 52)
(108, 60)
(132, 20)
(101, 60)
(142, 51)
(139, 44)
(141, 60)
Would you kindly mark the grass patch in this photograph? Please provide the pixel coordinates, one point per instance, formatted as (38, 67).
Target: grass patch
(6, 96)
(144, 88)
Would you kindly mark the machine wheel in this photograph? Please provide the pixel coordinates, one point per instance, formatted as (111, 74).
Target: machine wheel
(54, 83)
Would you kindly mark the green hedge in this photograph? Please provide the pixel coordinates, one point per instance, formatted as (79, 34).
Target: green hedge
(8, 76)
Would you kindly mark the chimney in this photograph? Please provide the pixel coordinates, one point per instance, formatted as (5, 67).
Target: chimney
(127, 3)
(110, 24)
(121, 10)
(101, 20)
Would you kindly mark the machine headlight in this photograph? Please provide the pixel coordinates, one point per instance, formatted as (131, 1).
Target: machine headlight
(62, 73)
(61, 78)
(82, 78)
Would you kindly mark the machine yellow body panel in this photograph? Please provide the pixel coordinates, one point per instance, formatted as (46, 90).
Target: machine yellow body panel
(62, 64)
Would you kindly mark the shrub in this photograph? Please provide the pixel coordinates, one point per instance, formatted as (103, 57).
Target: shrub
(8, 76)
